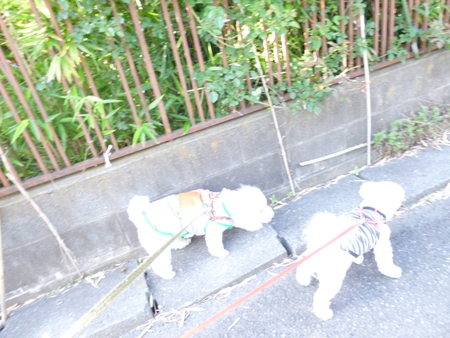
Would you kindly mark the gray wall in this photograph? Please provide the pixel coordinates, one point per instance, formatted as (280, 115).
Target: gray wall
(89, 208)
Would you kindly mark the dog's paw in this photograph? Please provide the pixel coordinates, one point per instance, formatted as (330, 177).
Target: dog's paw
(167, 275)
(303, 279)
(220, 253)
(323, 313)
(359, 259)
(223, 253)
(394, 271)
(181, 243)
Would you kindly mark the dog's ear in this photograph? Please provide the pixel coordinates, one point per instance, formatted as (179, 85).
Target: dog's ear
(387, 189)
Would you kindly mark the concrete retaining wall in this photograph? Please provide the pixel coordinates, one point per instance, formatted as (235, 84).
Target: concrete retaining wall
(89, 208)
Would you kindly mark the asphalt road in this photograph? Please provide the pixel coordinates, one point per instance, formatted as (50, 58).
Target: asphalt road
(369, 304)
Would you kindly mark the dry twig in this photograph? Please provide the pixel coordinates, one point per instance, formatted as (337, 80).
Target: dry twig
(68, 253)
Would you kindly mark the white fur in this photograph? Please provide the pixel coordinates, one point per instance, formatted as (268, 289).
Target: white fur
(331, 264)
(247, 207)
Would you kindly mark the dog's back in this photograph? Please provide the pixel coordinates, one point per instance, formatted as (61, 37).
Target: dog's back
(162, 214)
(323, 227)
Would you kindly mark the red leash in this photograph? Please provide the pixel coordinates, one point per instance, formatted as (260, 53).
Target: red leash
(266, 284)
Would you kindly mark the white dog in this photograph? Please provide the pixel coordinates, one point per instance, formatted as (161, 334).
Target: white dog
(380, 201)
(204, 212)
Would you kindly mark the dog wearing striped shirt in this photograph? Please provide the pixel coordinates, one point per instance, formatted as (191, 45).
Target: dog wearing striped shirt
(195, 213)
(380, 201)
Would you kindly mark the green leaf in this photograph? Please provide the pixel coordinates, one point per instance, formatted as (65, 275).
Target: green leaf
(34, 129)
(52, 117)
(107, 132)
(73, 52)
(62, 135)
(40, 86)
(90, 120)
(219, 21)
(99, 108)
(20, 128)
(315, 42)
(84, 49)
(16, 163)
(155, 103)
(213, 97)
(229, 77)
(186, 127)
(54, 70)
(70, 97)
(237, 82)
(78, 106)
(136, 136)
(149, 131)
(91, 99)
(66, 119)
(111, 101)
(111, 113)
(48, 133)
(67, 68)
(62, 15)
(111, 31)
(79, 135)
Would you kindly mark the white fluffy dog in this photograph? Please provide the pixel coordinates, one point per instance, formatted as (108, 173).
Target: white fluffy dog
(380, 201)
(204, 212)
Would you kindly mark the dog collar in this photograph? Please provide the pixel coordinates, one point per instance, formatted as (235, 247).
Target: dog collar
(377, 211)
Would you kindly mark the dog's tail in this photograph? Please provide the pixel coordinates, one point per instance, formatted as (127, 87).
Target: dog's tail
(323, 227)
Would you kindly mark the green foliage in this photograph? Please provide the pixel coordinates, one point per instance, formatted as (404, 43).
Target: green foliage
(310, 87)
(92, 38)
(227, 85)
(438, 34)
(426, 123)
(356, 171)
(273, 199)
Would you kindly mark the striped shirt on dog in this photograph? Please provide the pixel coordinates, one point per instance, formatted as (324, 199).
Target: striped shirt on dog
(365, 237)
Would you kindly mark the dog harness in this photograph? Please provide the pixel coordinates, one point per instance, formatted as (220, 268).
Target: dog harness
(197, 208)
(366, 235)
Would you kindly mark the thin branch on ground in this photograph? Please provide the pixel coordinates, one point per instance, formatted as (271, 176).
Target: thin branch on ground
(68, 253)
(274, 117)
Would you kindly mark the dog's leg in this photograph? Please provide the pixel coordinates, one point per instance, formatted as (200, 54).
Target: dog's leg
(213, 238)
(180, 243)
(151, 242)
(162, 265)
(330, 282)
(384, 256)
(304, 272)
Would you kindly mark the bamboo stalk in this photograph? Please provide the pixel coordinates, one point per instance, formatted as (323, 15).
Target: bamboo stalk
(327, 157)
(368, 97)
